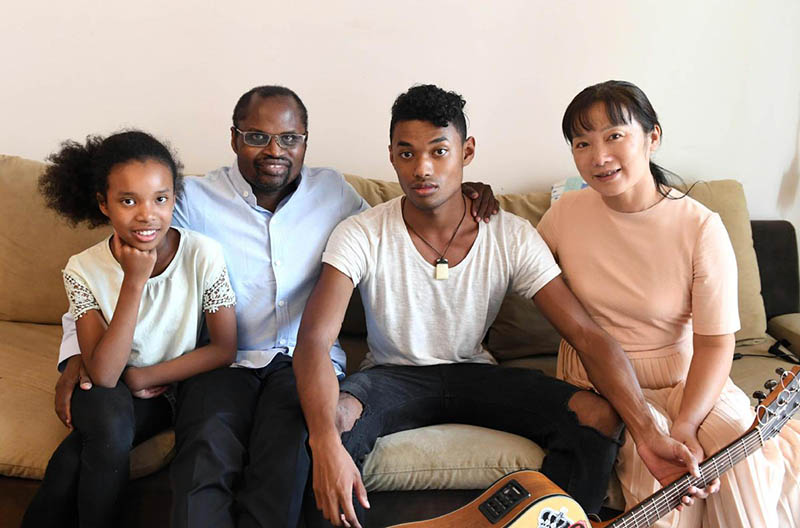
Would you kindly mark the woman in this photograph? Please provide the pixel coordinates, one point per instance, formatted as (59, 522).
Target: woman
(657, 271)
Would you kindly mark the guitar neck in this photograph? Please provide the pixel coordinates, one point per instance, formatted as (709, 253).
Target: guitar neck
(647, 512)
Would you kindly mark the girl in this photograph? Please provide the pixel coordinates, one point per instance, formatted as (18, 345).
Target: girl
(656, 270)
(138, 299)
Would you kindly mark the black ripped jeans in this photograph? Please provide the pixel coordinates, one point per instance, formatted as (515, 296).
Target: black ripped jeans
(521, 401)
(89, 470)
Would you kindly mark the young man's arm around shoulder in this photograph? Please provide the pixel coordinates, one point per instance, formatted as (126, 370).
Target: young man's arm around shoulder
(335, 476)
(612, 374)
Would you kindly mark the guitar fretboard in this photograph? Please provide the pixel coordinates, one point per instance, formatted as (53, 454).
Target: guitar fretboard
(664, 501)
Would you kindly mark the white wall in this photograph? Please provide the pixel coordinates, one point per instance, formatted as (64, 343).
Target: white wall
(723, 75)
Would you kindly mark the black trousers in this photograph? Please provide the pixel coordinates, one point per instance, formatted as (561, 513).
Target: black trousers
(241, 443)
(89, 470)
(521, 401)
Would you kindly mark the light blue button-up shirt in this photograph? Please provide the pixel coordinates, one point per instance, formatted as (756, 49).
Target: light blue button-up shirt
(273, 259)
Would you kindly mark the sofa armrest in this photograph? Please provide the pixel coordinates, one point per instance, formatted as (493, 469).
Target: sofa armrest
(786, 328)
(776, 251)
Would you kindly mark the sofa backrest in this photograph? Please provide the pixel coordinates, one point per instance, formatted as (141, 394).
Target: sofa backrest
(35, 244)
(520, 331)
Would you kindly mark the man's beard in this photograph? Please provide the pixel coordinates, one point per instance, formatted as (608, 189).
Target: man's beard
(266, 181)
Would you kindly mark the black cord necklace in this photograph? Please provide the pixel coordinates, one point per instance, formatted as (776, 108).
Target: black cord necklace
(442, 267)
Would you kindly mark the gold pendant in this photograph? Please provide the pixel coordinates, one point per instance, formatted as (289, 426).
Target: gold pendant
(442, 269)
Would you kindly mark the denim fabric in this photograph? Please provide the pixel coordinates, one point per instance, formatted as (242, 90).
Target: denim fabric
(521, 401)
(89, 470)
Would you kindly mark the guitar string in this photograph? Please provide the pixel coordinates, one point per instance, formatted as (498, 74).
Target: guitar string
(673, 497)
(746, 445)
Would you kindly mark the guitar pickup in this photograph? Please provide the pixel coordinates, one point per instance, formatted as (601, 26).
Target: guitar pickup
(499, 504)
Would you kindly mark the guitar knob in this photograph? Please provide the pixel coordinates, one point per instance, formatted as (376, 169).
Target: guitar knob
(770, 384)
(759, 395)
(779, 371)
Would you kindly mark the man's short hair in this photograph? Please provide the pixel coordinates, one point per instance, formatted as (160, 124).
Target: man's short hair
(240, 110)
(427, 102)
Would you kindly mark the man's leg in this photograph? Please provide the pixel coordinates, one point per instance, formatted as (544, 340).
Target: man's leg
(578, 429)
(275, 478)
(212, 428)
(387, 399)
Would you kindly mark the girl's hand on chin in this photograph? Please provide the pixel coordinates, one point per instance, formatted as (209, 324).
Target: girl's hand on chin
(136, 264)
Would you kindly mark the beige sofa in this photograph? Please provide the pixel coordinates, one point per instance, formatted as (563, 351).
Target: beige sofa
(35, 244)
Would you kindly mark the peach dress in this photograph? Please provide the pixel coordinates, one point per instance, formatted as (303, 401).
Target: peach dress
(651, 279)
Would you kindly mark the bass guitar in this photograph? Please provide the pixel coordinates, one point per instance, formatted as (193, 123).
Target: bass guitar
(527, 499)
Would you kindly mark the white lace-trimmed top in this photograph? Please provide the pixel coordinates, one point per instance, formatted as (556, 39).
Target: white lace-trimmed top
(173, 303)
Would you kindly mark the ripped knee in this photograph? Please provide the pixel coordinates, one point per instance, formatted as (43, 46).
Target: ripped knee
(595, 412)
(348, 411)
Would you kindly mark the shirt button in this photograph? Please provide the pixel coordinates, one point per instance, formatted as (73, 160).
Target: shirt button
(246, 194)
(281, 302)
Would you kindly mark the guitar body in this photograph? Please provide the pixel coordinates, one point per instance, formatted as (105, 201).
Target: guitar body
(545, 506)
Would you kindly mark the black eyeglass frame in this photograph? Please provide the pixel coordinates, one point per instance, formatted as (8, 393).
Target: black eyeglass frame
(279, 138)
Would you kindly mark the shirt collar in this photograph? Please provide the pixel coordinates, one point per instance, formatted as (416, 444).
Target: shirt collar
(245, 190)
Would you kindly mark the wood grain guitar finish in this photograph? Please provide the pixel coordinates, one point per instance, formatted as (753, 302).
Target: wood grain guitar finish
(527, 499)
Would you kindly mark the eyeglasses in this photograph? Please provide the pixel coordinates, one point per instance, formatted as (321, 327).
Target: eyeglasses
(262, 139)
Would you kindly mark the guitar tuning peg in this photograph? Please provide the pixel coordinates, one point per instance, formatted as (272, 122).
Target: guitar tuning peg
(759, 395)
(779, 371)
(770, 384)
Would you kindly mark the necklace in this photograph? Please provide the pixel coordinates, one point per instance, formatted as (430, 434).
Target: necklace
(441, 263)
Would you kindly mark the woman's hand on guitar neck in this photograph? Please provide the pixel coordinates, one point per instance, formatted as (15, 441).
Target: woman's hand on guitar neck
(335, 479)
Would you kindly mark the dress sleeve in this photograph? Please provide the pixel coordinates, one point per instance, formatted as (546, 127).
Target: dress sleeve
(715, 307)
(81, 298)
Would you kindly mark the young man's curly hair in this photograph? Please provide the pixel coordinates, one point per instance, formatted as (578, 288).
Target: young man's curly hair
(427, 102)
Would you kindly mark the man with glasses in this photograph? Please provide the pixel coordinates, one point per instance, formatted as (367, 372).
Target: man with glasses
(240, 435)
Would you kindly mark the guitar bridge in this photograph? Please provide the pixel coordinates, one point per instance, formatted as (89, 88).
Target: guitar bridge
(499, 504)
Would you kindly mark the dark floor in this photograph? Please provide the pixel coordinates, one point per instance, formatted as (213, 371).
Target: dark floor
(147, 503)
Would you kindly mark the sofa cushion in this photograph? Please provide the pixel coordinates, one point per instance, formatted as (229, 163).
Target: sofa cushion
(35, 243)
(787, 327)
(29, 429)
(447, 456)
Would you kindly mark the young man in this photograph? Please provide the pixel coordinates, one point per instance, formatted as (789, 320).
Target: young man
(431, 286)
(240, 436)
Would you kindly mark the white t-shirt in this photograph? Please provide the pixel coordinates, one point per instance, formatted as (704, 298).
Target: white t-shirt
(414, 319)
(171, 310)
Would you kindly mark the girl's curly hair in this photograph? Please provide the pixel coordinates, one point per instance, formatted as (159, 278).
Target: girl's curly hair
(78, 172)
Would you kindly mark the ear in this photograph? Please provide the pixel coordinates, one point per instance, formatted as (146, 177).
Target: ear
(468, 150)
(655, 138)
(234, 146)
(101, 202)
(391, 155)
